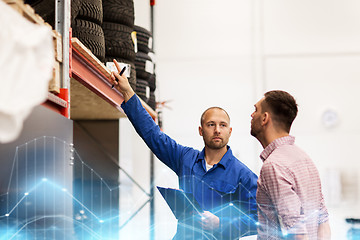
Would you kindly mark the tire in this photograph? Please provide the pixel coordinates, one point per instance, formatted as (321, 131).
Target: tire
(91, 35)
(75, 8)
(91, 10)
(143, 39)
(152, 100)
(152, 82)
(140, 63)
(118, 41)
(46, 10)
(132, 78)
(119, 11)
(142, 88)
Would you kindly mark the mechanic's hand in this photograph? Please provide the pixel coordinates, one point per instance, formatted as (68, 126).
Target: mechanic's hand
(209, 221)
(121, 83)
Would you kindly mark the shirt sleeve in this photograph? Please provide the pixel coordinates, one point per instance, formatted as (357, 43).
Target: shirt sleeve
(165, 148)
(279, 185)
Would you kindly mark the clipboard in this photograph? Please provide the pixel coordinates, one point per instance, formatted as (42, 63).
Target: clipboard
(182, 204)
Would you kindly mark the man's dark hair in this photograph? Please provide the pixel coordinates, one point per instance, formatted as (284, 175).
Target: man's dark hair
(203, 114)
(282, 107)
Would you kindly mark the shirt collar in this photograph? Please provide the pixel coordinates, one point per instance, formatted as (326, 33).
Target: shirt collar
(225, 160)
(287, 140)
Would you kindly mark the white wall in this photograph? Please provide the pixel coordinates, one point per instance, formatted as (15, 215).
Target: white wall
(228, 53)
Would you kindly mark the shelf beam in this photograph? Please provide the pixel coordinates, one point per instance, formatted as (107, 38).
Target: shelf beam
(87, 74)
(91, 73)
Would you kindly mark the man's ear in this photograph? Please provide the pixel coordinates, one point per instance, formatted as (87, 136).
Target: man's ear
(265, 119)
(200, 131)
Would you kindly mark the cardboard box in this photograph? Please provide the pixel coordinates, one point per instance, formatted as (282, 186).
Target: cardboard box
(57, 40)
(54, 83)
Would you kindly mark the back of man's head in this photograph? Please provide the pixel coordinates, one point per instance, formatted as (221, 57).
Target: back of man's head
(282, 107)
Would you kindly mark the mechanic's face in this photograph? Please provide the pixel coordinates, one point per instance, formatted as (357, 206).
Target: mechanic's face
(215, 129)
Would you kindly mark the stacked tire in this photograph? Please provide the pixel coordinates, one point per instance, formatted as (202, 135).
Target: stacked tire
(46, 9)
(105, 27)
(86, 21)
(86, 25)
(145, 67)
(118, 23)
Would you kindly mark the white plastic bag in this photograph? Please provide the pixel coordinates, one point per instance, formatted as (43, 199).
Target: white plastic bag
(26, 61)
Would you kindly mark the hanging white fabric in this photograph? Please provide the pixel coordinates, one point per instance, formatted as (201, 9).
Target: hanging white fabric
(26, 61)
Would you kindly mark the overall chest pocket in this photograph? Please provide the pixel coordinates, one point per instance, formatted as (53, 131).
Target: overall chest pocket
(221, 193)
(223, 188)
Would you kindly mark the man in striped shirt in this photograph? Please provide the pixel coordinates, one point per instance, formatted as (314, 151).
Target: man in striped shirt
(289, 197)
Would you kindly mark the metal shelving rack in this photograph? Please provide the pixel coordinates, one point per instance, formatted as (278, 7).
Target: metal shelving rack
(81, 71)
(81, 65)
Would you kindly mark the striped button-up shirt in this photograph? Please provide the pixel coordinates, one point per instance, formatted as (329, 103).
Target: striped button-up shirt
(289, 194)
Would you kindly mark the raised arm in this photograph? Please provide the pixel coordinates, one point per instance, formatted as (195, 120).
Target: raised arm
(165, 148)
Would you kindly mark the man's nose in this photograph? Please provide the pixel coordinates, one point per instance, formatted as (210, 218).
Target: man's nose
(217, 128)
